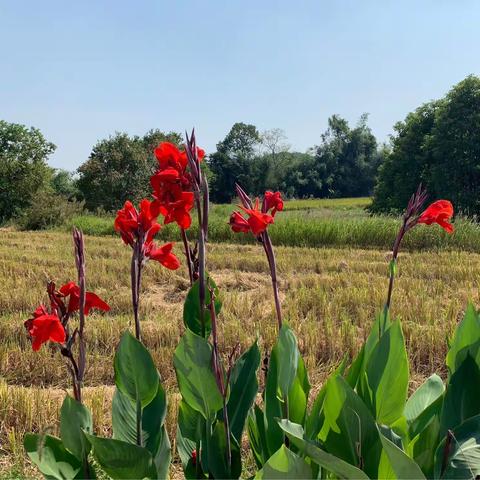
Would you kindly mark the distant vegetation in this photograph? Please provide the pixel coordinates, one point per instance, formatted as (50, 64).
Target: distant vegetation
(438, 144)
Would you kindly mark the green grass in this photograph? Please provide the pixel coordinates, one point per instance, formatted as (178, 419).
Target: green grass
(316, 223)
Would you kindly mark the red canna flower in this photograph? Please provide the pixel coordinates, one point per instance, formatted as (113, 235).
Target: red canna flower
(92, 300)
(194, 457)
(132, 224)
(256, 223)
(238, 223)
(438, 212)
(45, 327)
(163, 255)
(273, 201)
(172, 189)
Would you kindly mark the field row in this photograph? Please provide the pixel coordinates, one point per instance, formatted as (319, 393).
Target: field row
(329, 297)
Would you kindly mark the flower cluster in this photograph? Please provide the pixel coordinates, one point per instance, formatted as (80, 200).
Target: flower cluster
(172, 188)
(258, 218)
(439, 212)
(141, 227)
(51, 326)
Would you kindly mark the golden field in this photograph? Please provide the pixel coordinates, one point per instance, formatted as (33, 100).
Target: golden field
(329, 296)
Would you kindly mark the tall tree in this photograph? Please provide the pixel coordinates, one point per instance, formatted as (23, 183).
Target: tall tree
(347, 159)
(438, 145)
(232, 162)
(119, 168)
(23, 167)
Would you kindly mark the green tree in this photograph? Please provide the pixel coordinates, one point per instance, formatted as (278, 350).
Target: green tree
(64, 183)
(408, 163)
(23, 167)
(438, 145)
(119, 169)
(454, 145)
(347, 159)
(233, 162)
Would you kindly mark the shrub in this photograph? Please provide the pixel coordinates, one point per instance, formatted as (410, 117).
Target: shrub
(48, 210)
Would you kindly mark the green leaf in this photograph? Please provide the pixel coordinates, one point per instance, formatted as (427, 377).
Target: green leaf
(298, 395)
(285, 464)
(191, 308)
(135, 372)
(465, 340)
(51, 457)
(187, 428)
(315, 419)
(333, 464)
(124, 419)
(193, 365)
(386, 377)
(463, 459)
(402, 465)
(217, 460)
(75, 417)
(355, 370)
(462, 396)
(243, 389)
(288, 357)
(257, 435)
(423, 397)
(349, 431)
(121, 460)
(163, 455)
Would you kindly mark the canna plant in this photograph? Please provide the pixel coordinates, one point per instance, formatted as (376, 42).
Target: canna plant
(362, 424)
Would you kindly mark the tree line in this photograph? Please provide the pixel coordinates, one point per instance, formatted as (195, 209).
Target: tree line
(438, 144)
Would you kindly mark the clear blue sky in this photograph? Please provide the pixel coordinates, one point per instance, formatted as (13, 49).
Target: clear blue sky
(82, 70)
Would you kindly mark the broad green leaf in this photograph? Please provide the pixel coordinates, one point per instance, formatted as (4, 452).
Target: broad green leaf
(75, 417)
(424, 433)
(333, 464)
(193, 365)
(287, 356)
(217, 461)
(135, 372)
(163, 455)
(423, 397)
(355, 370)
(257, 436)
(401, 464)
(349, 431)
(121, 460)
(315, 418)
(273, 408)
(462, 398)
(285, 464)
(387, 377)
(51, 457)
(466, 339)
(124, 419)
(243, 389)
(463, 456)
(298, 395)
(187, 430)
(191, 308)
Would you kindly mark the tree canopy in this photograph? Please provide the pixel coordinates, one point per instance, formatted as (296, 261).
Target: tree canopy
(24, 170)
(119, 168)
(439, 145)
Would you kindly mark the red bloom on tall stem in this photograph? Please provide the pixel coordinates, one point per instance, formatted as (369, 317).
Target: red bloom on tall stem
(273, 201)
(92, 300)
(258, 218)
(439, 212)
(163, 255)
(44, 327)
(172, 186)
(133, 224)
